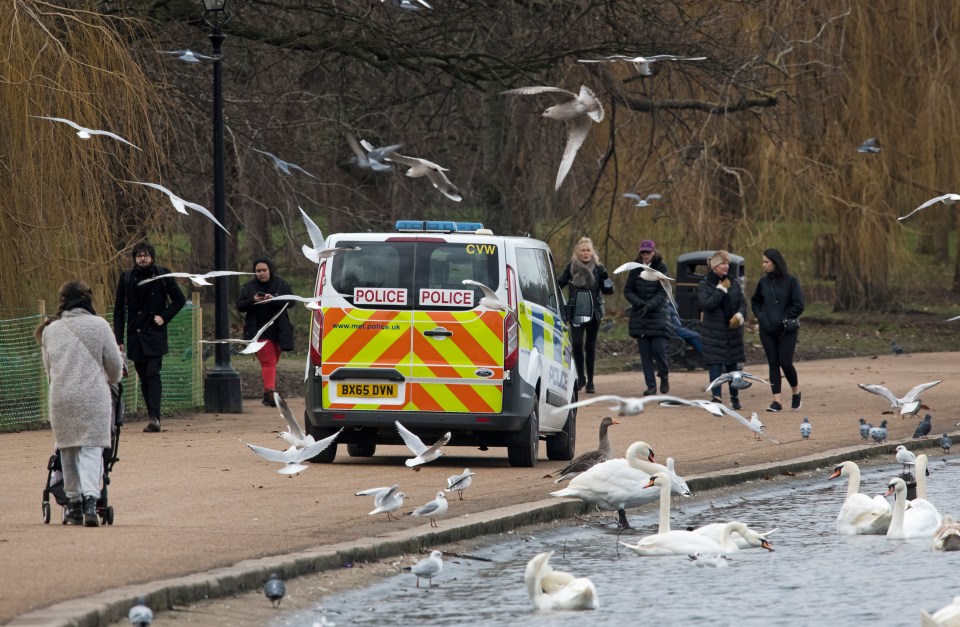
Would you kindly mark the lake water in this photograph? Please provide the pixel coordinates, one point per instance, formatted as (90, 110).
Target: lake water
(814, 577)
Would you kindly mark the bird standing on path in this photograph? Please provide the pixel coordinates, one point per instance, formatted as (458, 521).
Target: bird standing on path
(879, 434)
(274, 589)
(946, 443)
(385, 500)
(923, 429)
(140, 615)
(427, 568)
(865, 429)
(459, 483)
(805, 428)
(896, 348)
(434, 509)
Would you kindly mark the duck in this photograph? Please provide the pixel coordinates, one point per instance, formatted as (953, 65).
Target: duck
(557, 590)
(602, 453)
(684, 542)
(860, 514)
(912, 523)
(947, 535)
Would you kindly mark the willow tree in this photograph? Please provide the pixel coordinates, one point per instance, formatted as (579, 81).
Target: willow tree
(65, 213)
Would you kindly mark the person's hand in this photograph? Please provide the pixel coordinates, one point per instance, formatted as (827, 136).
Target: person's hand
(157, 320)
(736, 320)
(725, 283)
(640, 311)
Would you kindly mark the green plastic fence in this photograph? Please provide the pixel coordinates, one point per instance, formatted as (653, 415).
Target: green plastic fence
(23, 384)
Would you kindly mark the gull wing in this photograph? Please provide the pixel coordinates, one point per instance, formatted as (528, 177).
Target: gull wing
(413, 443)
(287, 415)
(379, 494)
(632, 196)
(273, 455)
(203, 211)
(487, 292)
(723, 378)
(915, 393)
(315, 449)
(540, 89)
(269, 322)
(595, 399)
(578, 129)
(630, 265)
(879, 390)
(436, 445)
(747, 375)
(746, 423)
(185, 275)
(442, 183)
(654, 197)
(932, 201)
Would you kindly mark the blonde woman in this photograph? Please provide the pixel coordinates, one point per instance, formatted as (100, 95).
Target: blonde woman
(585, 272)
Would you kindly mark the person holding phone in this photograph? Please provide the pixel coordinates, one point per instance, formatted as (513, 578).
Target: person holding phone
(279, 335)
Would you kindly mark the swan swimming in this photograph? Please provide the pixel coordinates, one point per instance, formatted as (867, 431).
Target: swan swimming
(557, 590)
(860, 514)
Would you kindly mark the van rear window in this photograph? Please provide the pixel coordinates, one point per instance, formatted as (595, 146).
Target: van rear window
(414, 274)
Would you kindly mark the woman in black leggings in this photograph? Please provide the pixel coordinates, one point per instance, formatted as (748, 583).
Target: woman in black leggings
(778, 298)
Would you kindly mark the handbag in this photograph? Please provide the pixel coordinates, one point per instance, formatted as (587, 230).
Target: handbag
(791, 324)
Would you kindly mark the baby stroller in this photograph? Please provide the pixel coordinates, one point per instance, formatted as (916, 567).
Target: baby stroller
(54, 484)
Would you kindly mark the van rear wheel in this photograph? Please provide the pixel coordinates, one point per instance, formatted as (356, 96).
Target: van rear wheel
(524, 453)
(362, 449)
(327, 455)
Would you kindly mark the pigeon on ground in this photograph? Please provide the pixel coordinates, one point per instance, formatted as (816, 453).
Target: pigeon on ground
(369, 158)
(197, 279)
(879, 434)
(293, 458)
(274, 589)
(737, 379)
(945, 443)
(433, 509)
(869, 145)
(489, 298)
(281, 165)
(459, 483)
(923, 429)
(649, 274)
(909, 403)
(805, 428)
(83, 132)
(254, 344)
(140, 615)
(906, 458)
(181, 205)
(435, 173)
(865, 429)
(422, 452)
(189, 56)
(385, 500)
(642, 64)
(946, 199)
(896, 348)
(427, 568)
(602, 453)
(316, 250)
(577, 109)
(643, 202)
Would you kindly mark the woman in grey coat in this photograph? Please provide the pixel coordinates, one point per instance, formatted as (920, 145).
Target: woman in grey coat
(81, 358)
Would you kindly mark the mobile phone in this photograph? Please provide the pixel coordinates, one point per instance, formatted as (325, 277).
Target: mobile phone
(261, 294)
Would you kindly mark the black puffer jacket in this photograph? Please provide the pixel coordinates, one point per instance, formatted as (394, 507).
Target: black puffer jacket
(648, 314)
(281, 331)
(776, 300)
(600, 276)
(721, 344)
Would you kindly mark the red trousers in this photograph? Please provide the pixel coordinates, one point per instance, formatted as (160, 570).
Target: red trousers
(269, 357)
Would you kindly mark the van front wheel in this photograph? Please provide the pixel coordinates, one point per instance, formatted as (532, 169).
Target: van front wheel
(524, 453)
(562, 446)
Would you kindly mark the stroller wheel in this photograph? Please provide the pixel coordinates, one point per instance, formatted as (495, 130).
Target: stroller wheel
(45, 508)
(108, 515)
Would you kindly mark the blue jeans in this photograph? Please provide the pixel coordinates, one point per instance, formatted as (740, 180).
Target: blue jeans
(653, 349)
(715, 371)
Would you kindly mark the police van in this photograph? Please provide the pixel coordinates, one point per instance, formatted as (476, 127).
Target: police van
(398, 336)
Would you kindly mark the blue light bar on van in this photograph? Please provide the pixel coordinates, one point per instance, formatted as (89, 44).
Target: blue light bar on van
(437, 226)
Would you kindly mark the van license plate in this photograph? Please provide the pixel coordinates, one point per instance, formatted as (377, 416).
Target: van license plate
(367, 390)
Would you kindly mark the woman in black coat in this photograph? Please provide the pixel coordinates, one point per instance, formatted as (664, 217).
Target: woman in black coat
(279, 335)
(649, 322)
(585, 272)
(724, 306)
(778, 298)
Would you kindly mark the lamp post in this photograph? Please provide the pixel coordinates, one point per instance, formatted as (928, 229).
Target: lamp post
(221, 386)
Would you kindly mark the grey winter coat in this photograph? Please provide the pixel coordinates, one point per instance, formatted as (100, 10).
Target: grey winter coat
(721, 344)
(648, 315)
(81, 358)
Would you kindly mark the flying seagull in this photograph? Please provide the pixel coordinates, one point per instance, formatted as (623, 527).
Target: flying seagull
(197, 279)
(650, 274)
(909, 403)
(421, 167)
(281, 165)
(422, 452)
(254, 344)
(189, 56)
(274, 589)
(316, 250)
(643, 202)
(427, 568)
(368, 157)
(489, 299)
(737, 379)
(577, 110)
(641, 64)
(459, 483)
(83, 132)
(946, 199)
(310, 302)
(720, 410)
(627, 406)
(181, 205)
(385, 500)
(294, 435)
(409, 5)
(869, 145)
(292, 458)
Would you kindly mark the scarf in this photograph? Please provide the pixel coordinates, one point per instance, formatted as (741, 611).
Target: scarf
(79, 303)
(582, 274)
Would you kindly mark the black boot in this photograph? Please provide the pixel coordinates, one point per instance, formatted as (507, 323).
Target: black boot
(153, 426)
(90, 518)
(268, 399)
(664, 384)
(74, 513)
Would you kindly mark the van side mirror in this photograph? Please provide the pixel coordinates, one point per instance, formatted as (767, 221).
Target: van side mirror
(582, 308)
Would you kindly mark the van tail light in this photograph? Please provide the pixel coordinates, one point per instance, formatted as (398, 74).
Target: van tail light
(316, 329)
(511, 288)
(511, 344)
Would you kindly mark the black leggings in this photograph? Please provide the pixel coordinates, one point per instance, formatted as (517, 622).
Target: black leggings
(779, 350)
(584, 354)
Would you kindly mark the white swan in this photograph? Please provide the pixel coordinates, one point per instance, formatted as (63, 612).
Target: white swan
(563, 592)
(645, 462)
(947, 616)
(860, 514)
(947, 535)
(915, 523)
(921, 502)
(614, 485)
(752, 539)
(683, 542)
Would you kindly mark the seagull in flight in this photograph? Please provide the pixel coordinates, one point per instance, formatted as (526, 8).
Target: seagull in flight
(720, 410)
(909, 403)
(626, 406)
(641, 64)
(869, 145)
(83, 132)
(294, 435)
(368, 157)
(181, 205)
(316, 250)
(293, 458)
(737, 379)
(280, 164)
(189, 56)
(643, 202)
(422, 452)
(253, 345)
(310, 302)
(385, 500)
(946, 199)
(490, 299)
(409, 5)
(197, 279)
(421, 167)
(650, 274)
(577, 109)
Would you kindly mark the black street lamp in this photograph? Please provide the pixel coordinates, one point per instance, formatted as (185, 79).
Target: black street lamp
(221, 386)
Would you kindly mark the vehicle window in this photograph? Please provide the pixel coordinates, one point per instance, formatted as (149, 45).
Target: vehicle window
(442, 267)
(535, 277)
(386, 268)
